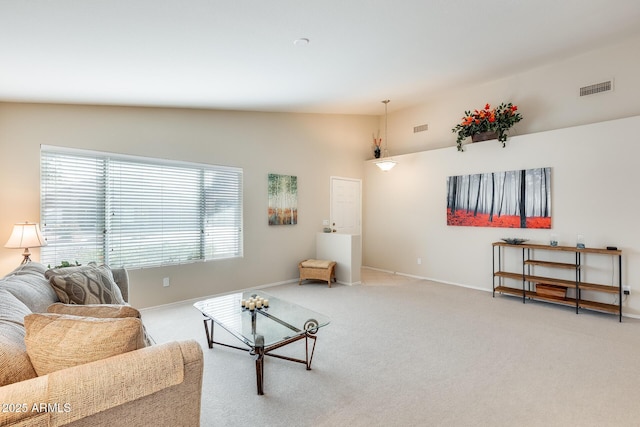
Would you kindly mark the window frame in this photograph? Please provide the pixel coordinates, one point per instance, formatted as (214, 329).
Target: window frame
(216, 197)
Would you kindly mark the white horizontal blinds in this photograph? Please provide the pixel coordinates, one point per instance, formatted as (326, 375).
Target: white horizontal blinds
(140, 212)
(223, 213)
(72, 208)
(154, 214)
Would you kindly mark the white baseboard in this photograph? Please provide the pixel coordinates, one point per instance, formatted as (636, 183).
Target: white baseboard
(431, 279)
(379, 269)
(194, 300)
(413, 276)
(349, 284)
(285, 282)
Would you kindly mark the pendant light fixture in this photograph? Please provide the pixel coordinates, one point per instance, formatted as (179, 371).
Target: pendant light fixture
(385, 163)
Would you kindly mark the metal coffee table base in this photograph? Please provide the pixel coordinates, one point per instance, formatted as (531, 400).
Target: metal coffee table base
(258, 351)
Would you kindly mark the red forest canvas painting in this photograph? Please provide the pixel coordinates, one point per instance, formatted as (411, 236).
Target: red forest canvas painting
(511, 199)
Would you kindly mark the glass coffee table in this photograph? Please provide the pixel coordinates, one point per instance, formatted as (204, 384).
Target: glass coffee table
(262, 327)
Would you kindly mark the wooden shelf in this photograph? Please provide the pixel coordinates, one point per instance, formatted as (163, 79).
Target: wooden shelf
(532, 295)
(590, 305)
(508, 275)
(599, 288)
(551, 264)
(599, 306)
(559, 282)
(561, 248)
(550, 281)
(578, 286)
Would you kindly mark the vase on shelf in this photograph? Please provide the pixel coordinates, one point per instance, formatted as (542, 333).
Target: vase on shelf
(376, 152)
(484, 136)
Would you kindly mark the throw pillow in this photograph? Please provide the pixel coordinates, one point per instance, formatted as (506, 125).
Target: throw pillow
(59, 341)
(28, 284)
(15, 365)
(103, 311)
(90, 284)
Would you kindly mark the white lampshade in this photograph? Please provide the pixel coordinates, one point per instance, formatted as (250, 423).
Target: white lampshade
(386, 164)
(25, 235)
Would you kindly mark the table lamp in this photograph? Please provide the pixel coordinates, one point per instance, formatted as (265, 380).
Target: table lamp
(25, 235)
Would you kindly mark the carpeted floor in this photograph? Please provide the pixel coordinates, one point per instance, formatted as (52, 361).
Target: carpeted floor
(406, 352)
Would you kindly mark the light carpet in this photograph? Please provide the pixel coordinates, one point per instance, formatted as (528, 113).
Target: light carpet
(406, 352)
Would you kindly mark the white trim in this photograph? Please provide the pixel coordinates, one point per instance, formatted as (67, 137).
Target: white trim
(340, 282)
(379, 269)
(631, 316)
(270, 285)
(196, 299)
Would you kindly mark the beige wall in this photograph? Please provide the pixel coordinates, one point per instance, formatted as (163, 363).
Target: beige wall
(594, 193)
(403, 209)
(547, 97)
(593, 160)
(312, 147)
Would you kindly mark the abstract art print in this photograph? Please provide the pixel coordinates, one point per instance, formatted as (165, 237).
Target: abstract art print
(511, 199)
(283, 199)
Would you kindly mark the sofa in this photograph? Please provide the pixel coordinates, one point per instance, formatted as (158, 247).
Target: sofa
(54, 371)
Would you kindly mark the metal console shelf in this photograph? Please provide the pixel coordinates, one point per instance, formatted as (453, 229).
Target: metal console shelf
(528, 278)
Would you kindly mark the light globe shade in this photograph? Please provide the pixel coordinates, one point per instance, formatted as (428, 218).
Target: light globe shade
(24, 236)
(386, 164)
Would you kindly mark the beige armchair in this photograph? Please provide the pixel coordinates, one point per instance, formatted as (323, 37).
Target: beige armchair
(154, 386)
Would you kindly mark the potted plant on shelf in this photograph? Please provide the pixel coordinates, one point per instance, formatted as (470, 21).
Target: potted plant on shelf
(489, 123)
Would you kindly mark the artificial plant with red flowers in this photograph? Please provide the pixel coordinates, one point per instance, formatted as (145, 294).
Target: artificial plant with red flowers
(498, 120)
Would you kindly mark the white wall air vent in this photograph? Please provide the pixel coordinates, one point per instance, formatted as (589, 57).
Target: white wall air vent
(420, 128)
(596, 88)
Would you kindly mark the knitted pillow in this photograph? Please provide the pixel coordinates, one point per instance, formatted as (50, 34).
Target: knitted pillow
(15, 365)
(59, 341)
(90, 284)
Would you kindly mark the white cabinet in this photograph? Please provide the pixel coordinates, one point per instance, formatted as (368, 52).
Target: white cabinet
(346, 251)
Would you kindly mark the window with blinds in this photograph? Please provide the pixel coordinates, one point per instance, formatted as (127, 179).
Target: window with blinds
(137, 212)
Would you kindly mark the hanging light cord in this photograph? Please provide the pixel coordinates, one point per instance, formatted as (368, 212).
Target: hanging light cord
(386, 139)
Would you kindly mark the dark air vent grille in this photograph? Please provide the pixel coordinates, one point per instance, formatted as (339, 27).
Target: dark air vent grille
(420, 128)
(596, 88)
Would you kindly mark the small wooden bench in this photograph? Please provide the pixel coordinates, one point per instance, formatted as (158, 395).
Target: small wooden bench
(317, 269)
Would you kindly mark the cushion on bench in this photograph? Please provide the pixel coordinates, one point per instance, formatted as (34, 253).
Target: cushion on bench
(316, 263)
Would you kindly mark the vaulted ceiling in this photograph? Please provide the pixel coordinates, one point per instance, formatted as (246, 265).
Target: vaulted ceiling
(247, 54)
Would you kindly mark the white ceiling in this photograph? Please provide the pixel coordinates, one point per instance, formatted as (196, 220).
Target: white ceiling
(240, 55)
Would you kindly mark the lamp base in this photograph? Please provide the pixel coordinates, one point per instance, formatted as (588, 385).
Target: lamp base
(27, 256)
